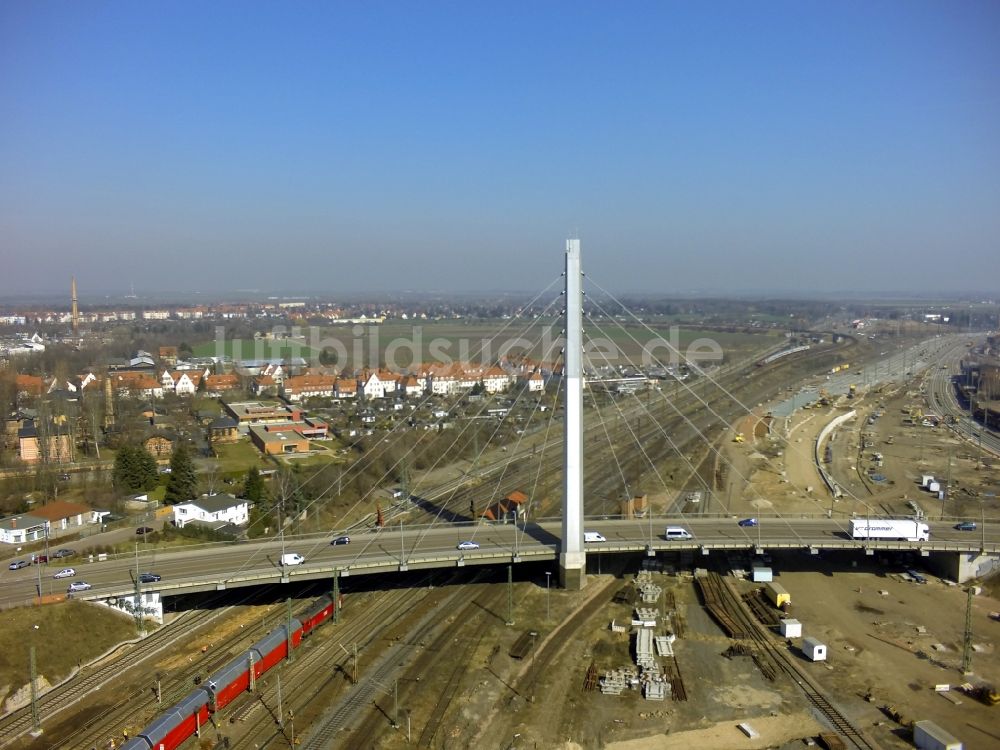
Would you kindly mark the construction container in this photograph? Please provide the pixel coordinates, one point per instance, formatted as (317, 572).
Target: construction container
(926, 479)
(762, 575)
(777, 595)
(791, 629)
(929, 736)
(934, 487)
(813, 649)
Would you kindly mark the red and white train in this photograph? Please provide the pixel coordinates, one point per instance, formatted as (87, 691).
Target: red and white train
(175, 725)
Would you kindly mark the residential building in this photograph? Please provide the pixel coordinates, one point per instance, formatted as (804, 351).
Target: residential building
(223, 430)
(212, 508)
(301, 387)
(136, 385)
(63, 516)
(22, 528)
(54, 446)
(160, 444)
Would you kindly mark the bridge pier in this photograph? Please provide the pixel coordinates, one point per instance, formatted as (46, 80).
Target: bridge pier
(964, 566)
(572, 558)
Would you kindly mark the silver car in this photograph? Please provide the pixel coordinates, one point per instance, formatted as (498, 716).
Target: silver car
(65, 573)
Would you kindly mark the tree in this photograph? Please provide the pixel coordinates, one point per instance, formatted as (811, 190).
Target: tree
(253, 488)
(256, 494)
(183, 484)
(135, 469)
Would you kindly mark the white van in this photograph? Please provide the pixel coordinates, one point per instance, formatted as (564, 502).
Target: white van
(292, 558)
(676, 532)
(593, 536)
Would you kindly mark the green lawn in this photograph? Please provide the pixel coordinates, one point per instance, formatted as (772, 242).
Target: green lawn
(56, 632)
(252, 349)
(476, 340)
(237, 457)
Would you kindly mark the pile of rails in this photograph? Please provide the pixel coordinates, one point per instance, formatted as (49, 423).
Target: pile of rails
(720, 605)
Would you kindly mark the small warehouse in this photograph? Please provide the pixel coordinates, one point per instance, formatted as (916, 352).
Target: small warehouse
(791, 629)
(762, 575)
(813, 649)
(777, 595)
(929, 736)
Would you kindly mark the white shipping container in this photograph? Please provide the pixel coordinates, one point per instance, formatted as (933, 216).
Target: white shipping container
(813, 649)
(926, 479)
(929, 736)
(791, 629)
(762, 575)
(934, 487)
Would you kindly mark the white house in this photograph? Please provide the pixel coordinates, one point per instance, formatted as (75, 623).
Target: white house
(210, 508)
(536, 382)
(182, 382)
(22, 528)
(373, 387)
(495, 380)
(413, 386)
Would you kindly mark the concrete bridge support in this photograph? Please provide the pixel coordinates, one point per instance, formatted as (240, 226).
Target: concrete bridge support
(964, 566)
(572, 558)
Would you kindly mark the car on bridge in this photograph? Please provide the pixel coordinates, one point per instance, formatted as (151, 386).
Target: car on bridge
(966, 526)
(79, 586)
(341, 540)
(65, 573)
(149, 578)
(468, 545)
(747, 522)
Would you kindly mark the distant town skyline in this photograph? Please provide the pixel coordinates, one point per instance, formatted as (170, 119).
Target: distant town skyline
(343, 148)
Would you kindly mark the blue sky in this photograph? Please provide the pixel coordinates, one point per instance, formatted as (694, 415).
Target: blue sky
(337, 147)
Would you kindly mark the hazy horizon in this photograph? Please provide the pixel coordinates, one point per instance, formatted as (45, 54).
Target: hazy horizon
(778, 149)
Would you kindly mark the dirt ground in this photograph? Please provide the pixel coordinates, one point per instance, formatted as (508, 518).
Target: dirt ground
(778, 474)
(896, 640)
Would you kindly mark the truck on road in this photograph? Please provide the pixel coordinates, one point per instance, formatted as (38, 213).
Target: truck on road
(903, 530)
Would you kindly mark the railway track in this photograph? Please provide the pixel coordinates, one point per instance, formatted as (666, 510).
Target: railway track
(376, 680)
(68, 694)
(644, 423)
(310, 674)
(765, 645)
(141, 705)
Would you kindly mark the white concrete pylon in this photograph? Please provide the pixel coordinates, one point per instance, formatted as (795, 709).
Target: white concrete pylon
(572, 558)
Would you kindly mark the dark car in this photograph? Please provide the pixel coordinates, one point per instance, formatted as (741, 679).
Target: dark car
(39, 559)
(148, 578)
(64, 553)
(966, 526)
(341, 540)
(143, 530)
(747, 522)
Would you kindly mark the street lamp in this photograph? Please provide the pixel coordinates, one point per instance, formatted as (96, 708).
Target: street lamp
(548, 588)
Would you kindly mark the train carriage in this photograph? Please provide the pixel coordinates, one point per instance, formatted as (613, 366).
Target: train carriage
(272, 648)
(233, 679)
(176, 724)
(320, 611)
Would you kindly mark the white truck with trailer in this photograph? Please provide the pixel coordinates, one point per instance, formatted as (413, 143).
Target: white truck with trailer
(900, 530)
